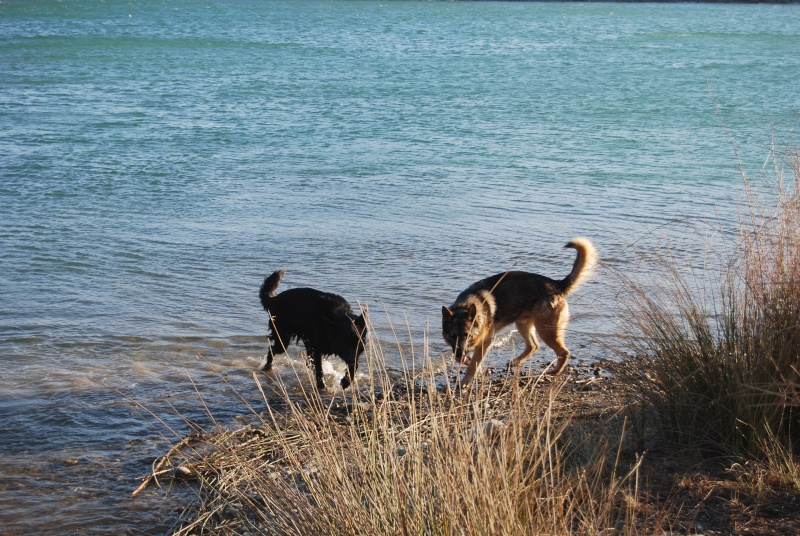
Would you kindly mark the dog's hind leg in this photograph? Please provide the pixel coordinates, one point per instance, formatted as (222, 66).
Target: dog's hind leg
(552, 327)
(553, 336)
(268, 363)
(276, 347)
(555, 342)
(528, 332)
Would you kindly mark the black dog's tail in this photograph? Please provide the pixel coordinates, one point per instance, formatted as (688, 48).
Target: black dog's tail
(269, 286)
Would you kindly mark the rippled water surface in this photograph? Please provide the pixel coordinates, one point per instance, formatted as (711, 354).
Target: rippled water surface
(157, 160)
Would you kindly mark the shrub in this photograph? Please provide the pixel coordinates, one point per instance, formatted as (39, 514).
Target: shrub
(717, 368)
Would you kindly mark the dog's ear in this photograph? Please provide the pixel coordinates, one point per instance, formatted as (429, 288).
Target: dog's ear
(360, 323)
(472, 312)
(447, 313)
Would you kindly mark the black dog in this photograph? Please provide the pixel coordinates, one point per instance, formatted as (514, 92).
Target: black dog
(323, 321)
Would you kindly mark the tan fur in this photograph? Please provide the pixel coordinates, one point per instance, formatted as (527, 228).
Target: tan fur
(533, 303)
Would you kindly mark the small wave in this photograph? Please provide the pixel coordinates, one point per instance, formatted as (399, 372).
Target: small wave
(504, 339)
(217, 343)
(133, 339)
(26, 340)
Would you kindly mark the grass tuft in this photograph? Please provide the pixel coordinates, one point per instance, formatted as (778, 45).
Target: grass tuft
(717, 369)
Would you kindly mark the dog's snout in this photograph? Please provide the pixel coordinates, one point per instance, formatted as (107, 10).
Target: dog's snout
(460, 355)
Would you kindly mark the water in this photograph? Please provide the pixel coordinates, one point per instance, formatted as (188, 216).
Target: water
(157, 160)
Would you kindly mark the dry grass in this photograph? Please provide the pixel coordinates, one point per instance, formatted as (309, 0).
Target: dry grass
(717, 369)
(396, 457)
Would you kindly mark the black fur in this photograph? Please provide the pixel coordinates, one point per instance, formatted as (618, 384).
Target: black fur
(324, 322)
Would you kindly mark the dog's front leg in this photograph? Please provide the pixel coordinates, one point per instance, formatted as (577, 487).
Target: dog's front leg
(350, 375)
(267, 365)
(317, 364)
(474, 363)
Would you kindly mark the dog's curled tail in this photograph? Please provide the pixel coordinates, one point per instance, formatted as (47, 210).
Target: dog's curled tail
(584, 264)
(269, 286)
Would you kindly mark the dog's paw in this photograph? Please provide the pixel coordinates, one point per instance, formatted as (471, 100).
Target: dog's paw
(464, 386)
(266, 367)
(345, 383)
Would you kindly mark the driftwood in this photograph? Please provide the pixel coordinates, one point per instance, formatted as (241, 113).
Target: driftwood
(158, 469)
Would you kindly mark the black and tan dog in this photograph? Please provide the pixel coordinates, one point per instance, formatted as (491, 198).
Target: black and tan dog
(533, 302)
(324, 322)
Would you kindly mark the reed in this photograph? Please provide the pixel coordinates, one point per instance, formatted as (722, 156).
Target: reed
(716, 368)
(406, 456)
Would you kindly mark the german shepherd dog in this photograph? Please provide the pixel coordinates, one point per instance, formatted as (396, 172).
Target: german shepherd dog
(324, 322)
(533, 302)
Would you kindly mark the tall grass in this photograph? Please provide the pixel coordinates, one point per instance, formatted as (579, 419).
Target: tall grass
(409, 458)
(717, 368)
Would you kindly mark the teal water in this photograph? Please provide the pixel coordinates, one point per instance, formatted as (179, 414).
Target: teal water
(157, 160)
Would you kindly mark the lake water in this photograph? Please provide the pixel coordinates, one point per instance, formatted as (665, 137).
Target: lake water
(158, 159)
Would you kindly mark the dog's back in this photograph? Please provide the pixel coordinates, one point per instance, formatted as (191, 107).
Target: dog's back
(512, 294)
(299, 313)
(536, 287)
